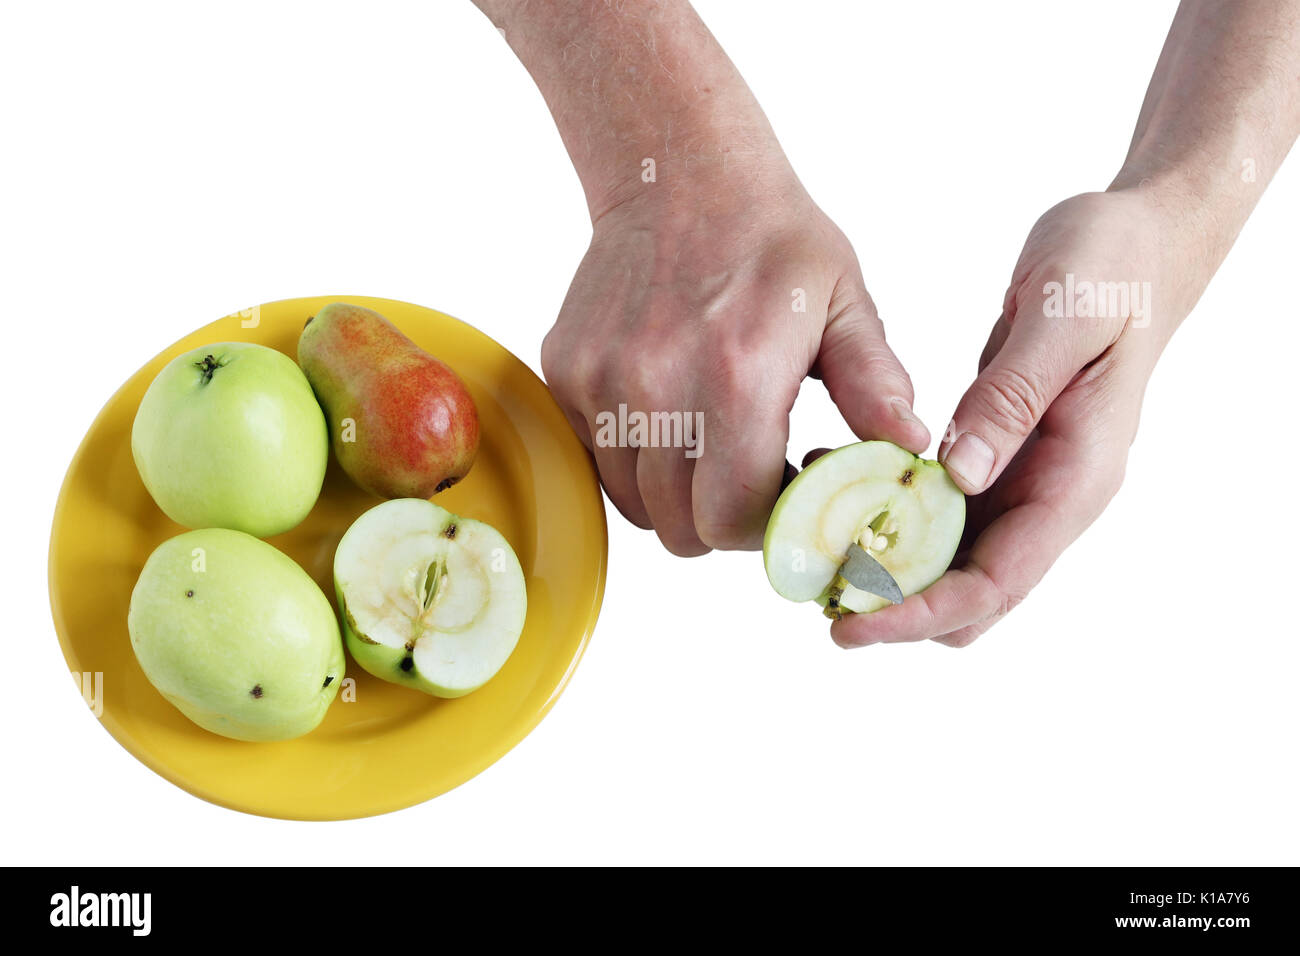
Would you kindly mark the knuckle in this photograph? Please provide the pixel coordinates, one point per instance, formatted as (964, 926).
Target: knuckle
(640, 376)
(562, 360)
(1004, 599)
(735, 374)
(1008, 602)
(586, 374)
(880, 367)
(1106, 484)
(1111, 482)
(551, 349)
(572, 372)
(1012, 401)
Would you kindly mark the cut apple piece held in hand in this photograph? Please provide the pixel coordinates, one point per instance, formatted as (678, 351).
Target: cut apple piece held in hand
(902, 510)
(429, 600)
(403, 425)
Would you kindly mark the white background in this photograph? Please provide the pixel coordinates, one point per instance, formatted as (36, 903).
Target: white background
(165, 164)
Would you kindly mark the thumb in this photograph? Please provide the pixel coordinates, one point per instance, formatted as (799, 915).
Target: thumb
(1035, 363)
(865, 380)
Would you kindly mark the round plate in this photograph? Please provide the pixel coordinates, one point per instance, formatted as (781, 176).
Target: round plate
(387, 747)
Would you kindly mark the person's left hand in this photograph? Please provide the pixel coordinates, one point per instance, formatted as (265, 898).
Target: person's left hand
(1042, 436)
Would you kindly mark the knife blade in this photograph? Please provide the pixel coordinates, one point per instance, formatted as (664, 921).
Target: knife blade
(867, 574)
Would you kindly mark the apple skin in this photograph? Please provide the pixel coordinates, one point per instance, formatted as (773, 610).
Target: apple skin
(243, 647)
(414, 426)
(244, 448)
(386, 662)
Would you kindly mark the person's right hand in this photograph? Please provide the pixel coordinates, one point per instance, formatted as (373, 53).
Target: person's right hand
(688, 301)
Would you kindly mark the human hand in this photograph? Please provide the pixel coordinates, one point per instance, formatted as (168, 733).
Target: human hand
(713, 284)
(1042, 436)
(715, 300)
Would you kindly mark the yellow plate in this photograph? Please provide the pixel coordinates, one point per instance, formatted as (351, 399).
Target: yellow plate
(391, 747)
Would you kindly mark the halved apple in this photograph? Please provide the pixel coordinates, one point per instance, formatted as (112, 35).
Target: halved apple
(429, 600)
(903, 510)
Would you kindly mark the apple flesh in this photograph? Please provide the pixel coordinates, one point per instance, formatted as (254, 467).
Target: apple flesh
(903, 510)
(236, 635)
(429, 600)
(402, 423)
(230, 436)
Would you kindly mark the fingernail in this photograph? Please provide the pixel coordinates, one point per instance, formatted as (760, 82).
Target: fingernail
(904, 413)
(971, 457)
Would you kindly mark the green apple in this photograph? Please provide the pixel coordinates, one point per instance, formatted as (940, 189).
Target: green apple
(231, 436)
(903, 510)
(429, 600)
(236, 635)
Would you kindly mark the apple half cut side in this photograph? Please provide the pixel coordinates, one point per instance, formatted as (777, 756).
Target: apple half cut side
(903, 510)
(429, 600)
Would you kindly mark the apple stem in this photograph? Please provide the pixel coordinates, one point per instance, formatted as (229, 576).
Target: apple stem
(833, 609)
(207, 367)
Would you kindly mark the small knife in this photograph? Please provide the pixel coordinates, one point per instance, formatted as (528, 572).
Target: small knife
(867, 574)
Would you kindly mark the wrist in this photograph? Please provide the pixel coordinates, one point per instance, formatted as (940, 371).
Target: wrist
(1198, 204)
(1184, 237)
(643, 96)
(707, 175)
(674, 144)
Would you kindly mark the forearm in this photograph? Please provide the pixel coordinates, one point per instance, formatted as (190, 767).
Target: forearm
(634, 81)
(1220, 114)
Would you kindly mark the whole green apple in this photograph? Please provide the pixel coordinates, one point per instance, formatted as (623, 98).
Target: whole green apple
(236, 635)
(231, 436)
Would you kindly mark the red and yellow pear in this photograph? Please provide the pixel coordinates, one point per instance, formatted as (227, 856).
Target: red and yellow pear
(402, 423)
